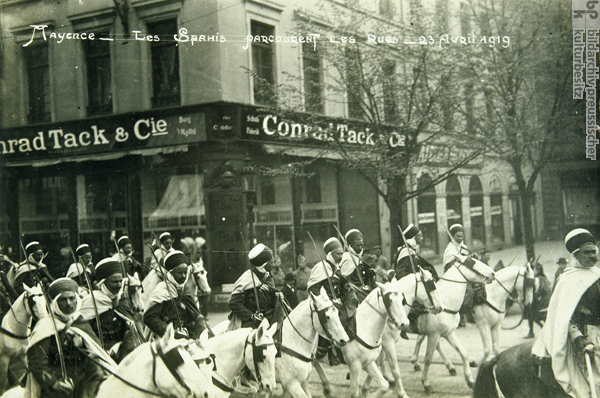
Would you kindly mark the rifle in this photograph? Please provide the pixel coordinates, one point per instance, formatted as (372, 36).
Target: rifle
(412, 264)
(251, 273)
(93, 297)
(172, 299)
(113, 238)
(324, 266)
(61, 354)
(362, 282)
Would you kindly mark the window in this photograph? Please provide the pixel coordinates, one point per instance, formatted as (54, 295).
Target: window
(311, 63)
(441, 14)
(354, 84)
(386, 9)
(465, 19)
(165, 65)
(263, 64)
(389, 91)
(97, 59)
(267, 191)
(313, 188)
(38, 83)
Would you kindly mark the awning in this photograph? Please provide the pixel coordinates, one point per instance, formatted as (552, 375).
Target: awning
(184, 196)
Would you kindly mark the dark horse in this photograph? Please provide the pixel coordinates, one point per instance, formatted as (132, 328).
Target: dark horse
(517, 375)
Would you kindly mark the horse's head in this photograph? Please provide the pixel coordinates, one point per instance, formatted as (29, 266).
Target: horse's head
(528, 284)
(180, 375)
(204, 359)
(134, 292)
(327, 322)
(259, 354)
(388, 293)
(474, 270)
(201, 277)
(35, 301)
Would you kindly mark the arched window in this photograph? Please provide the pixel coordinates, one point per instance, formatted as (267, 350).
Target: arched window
(496, 211)
(426, 213)
(453, 201)
(477, 219)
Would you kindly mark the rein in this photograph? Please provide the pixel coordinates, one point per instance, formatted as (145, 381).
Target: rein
(258, 354)
(172, 360)
(386, 303)
(321, 316)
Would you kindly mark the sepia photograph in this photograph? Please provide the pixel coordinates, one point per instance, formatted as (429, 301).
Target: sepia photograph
(328, 198)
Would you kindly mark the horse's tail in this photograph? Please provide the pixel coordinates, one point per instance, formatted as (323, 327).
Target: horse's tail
(485, 384)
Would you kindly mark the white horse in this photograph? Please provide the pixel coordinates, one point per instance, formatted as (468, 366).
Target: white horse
(488, 316)
(164, 367)
(413, 290)
(365, 347)
(15, 328)
(253, 348)
(299, 338)
(452, 286)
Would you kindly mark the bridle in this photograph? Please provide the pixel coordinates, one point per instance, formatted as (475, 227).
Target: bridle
(258, 354)
(172, 359)
(30, 300)
(457, 265)
(322, 317)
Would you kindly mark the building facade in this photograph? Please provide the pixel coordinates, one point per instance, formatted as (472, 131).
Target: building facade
(137, 117)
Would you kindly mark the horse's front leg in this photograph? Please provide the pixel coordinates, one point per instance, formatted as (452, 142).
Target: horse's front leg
(327, 388)
(389, 350)
(415, 358)
(463, 353)
(4, 362)
(374, 372)
(432, 342)
(496, 338)
(447, 362)
(485, 333)
(355, 368)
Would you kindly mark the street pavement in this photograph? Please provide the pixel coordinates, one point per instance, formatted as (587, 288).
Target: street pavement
(444, 385)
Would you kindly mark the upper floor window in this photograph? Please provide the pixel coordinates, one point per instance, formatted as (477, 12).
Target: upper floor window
(386, 8)
(312, 184)
(166, 83)
(390, 91)
(263, 64)
(38, 83)
(354, 82)
(97, 59)
(267, 190)
(311, 63)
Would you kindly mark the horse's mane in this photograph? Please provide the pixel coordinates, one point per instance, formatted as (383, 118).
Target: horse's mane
(227, 337)
(132, 355)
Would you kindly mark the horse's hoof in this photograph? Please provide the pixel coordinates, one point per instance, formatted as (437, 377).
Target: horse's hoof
(327, 393)
(452, 371)
(416, 367)
(473, 364)
(392, 383)
(348, 376)
(470, 383)
(428, 389)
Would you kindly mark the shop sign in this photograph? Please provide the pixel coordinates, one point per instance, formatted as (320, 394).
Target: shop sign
(266, 125)
(445, 155)
(101, 135)
(426, 218)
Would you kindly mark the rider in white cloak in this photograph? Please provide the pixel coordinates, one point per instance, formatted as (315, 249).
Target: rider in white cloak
(573, 320)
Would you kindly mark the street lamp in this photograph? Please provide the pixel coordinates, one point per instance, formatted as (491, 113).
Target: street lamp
(248, 174)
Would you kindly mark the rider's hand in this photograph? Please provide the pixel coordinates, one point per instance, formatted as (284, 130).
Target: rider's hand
(63, 386)
(584, 345)
(257, 316)
(279, 295)
(337, 302)
(182, 333)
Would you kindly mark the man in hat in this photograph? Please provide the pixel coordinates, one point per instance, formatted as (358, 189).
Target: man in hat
(172, 301)
(352, 265)
(327, 274)
(84, 264)
(31, 270)
(456, 246)
(407, 255)
(166, 246)
(83, 376)
(254, 285)
(288, 290)
(125, 257)
(572, 324)
(562, 265)
(301, 274)
(115, 311)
